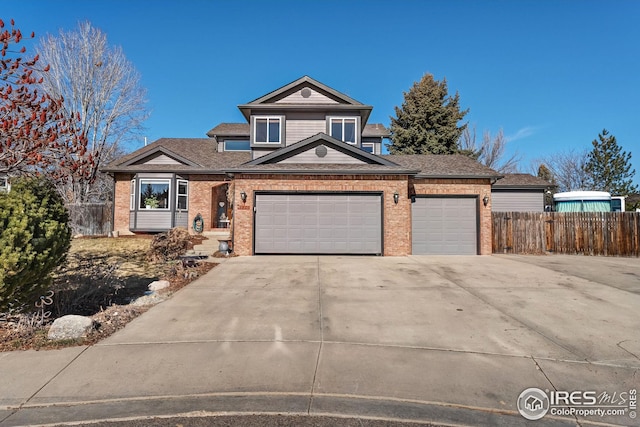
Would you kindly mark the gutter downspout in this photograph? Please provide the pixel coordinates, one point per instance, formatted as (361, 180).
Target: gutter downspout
(113, 205)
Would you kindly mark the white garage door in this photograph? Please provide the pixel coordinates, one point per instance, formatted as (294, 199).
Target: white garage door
(318, 224)
(444, 225)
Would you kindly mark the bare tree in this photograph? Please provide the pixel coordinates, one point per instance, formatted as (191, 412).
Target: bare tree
(97, 81)
(567, 169)
(491, 150)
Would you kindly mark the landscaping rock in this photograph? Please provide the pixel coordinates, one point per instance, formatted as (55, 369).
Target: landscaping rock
(151, 299)
(70, 327)
(159, 284)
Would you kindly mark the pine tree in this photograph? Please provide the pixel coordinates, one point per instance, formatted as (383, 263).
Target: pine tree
(34, 241)
(545, 173)
(427, 122)
(609, 167)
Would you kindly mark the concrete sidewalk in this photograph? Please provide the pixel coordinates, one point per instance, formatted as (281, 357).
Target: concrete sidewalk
(449, 340)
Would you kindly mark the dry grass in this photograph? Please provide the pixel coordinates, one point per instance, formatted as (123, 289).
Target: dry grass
(99, 279)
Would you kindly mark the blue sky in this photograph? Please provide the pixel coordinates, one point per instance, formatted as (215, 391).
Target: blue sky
(551, 73)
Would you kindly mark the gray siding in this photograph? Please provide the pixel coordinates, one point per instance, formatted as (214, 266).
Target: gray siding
(153, 219)
(160, 159)
(333, 156)
(299, 129)
(315, 98)
(517, 201)
(182, 219)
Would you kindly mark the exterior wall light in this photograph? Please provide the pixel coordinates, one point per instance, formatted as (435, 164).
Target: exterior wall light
(485, 200)
(396, 198)
(243, 196)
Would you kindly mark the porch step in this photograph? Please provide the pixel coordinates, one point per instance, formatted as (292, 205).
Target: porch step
(212, 243)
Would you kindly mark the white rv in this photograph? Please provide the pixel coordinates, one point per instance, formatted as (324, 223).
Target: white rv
(582, 201)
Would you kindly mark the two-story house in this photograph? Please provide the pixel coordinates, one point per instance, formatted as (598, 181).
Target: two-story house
(305, 175)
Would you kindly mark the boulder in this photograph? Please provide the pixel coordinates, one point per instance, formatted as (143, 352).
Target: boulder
(151, 299)
(159, 284)
(70, 327)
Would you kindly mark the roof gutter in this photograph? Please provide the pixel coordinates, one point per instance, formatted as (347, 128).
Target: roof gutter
(322, 172)
(493, 178)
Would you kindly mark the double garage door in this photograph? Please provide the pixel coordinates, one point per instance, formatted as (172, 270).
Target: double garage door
(444, 225)
(318, 224)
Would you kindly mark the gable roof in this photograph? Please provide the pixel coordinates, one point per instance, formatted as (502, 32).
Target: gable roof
(243, 130)
(367, 163)
(304, 81)
(343, 102)
(321, 139)
(443, 166)
(197, 155)
(522, 181)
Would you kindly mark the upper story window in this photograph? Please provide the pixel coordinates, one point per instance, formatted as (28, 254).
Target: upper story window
(343, 129)
(231, 145)
(268, 130)
(368, 147)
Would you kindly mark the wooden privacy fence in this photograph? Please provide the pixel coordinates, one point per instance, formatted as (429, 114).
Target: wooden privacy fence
(586, 233)
(90, 219)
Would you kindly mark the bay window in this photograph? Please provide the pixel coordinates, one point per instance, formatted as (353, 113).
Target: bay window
(154, 193)
(182, 202)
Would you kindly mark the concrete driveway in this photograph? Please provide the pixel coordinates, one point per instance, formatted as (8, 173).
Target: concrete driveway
(447, 339)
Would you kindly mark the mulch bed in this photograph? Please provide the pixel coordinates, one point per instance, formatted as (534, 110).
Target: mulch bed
(107, 321)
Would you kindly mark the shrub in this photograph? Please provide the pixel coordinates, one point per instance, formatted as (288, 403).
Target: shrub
(34, 239)
(170, 245)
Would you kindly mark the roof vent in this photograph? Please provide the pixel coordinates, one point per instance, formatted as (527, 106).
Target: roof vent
(306, 92)
(321, 151)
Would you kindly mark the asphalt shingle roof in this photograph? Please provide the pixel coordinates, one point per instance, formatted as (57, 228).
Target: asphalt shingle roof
(200, 151)
(446, 166)
(514, 180)
(230, 129)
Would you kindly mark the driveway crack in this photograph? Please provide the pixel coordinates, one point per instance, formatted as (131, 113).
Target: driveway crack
(321, 323)
(44, 385)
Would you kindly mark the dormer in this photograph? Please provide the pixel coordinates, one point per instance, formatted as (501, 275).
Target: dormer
(299, 110)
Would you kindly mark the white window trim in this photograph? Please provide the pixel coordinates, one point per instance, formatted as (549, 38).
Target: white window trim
(369, 144)
(178, 194)
(132, 196)
(269, 118)
(224, 145)
(5, 187)
(343, 118)
(146, 180)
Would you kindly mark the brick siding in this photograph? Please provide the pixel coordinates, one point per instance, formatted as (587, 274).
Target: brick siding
(396, 218)
(397, 227)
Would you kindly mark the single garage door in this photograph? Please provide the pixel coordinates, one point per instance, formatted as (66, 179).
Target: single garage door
(318, 224)
(444, 225)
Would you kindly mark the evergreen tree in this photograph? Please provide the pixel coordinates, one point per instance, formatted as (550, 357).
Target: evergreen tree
(545, 173)
(34, 240)
(609, 167)
(427, 122)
